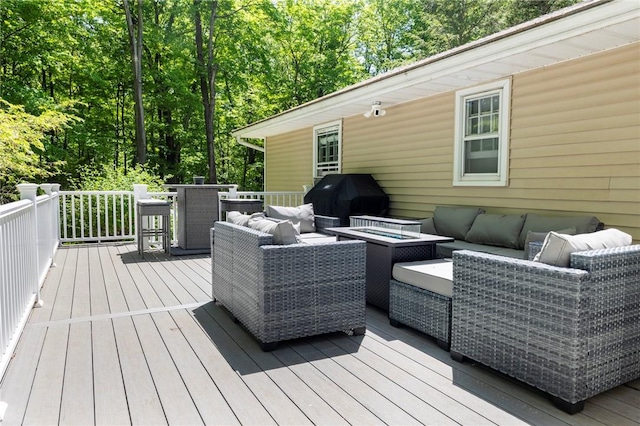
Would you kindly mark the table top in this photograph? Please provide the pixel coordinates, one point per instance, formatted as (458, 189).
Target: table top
(355, 233)
(241, 200)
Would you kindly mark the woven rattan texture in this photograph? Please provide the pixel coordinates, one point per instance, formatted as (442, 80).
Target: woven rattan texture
(380, 260)
(572, 332)
(324, 222)
(421, 309)
(283, 292)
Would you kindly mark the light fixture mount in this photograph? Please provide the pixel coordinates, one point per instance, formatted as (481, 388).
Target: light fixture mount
(376, 110)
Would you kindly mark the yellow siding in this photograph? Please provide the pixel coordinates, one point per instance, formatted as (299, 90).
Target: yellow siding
(574, 148)
(289, 161)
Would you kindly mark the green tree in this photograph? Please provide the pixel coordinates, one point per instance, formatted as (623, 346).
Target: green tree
(21, 146)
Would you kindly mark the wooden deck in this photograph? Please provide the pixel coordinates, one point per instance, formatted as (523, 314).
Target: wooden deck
(127, 340)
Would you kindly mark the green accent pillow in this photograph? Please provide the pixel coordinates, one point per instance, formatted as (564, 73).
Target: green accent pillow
(455, 222)
(427, 226)
(496, 230)
(537, 223)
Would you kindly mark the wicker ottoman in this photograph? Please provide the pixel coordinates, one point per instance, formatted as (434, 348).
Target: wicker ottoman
(420, 297)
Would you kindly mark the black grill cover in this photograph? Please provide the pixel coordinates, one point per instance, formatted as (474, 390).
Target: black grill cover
(347, 195)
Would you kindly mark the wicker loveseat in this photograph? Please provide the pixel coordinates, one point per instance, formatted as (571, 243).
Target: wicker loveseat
(281, 292)
(572, 332)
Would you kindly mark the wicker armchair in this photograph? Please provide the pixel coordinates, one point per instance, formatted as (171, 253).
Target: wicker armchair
(571, 332)
(281, 292)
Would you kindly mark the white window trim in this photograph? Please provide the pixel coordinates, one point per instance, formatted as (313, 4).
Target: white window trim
(498, 179)
(321, 127)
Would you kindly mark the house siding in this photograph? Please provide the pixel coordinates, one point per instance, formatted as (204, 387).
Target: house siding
(289, 161)
(574, 147)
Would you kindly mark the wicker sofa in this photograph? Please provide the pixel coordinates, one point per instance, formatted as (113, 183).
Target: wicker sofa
(571, 332)
(281, 292)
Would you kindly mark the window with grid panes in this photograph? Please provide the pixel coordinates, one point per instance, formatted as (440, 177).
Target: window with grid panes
(482, 120)
(327, 140)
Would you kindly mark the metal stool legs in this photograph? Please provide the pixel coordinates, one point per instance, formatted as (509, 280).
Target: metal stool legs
(153, 208)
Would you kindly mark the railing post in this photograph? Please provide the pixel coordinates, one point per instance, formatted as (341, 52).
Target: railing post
(55, 188)
(46, 187)
(28, 191)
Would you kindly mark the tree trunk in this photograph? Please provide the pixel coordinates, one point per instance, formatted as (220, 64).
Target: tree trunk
(135, 44)
(207, 76)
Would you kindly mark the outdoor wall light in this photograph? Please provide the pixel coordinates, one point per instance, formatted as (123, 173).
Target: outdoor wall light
(376, 110)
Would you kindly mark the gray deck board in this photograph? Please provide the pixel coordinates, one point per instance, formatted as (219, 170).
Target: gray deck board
(174, 396)
(97, 285)
(206, 396)
(110, 399)
(142, 397)
(76, 407)
(125, 340)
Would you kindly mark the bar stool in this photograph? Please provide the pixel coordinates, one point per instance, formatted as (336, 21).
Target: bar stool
(150, 208)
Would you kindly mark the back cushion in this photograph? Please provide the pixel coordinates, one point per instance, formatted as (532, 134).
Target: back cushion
(539, 237)
(537, 223)
(238, 218)
(283, 232)
(455, 222)
(427, 226)
(557, 248)
(301, 214)
(496, 230)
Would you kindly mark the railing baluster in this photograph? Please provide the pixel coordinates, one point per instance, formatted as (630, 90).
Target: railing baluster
(73, 216)
(106, 216)
(99, 213)
(114, 214)
(89, 200)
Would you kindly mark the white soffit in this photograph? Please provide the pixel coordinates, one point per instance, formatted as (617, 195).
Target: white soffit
(570, 33)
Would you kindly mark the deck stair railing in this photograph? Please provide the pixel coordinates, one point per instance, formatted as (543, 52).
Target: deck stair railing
(28, 242)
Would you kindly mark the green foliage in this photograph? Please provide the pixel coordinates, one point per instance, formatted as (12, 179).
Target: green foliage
(93, 178)
(21, 145)
(270, 55)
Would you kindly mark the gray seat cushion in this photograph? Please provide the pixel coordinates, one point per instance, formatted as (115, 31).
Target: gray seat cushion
(447, 249)
(434, 275)
(317, 238)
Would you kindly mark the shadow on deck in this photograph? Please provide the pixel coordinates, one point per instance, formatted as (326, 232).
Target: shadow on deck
(123, 339)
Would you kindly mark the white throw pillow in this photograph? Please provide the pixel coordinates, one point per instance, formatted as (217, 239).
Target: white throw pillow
(301, 214)
(283, 232)
(557, 248)
(238, 218)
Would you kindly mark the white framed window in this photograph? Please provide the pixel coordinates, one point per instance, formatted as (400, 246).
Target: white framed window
(481, 150)
(327, 149)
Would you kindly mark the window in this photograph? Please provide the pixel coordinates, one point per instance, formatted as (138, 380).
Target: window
(326, 149)
(482, 135)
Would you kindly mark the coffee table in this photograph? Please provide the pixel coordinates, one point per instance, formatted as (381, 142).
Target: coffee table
(383, 252)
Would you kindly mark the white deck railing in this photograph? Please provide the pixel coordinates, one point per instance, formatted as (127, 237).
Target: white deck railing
(28, 242)
(287, 199)
(95, 216)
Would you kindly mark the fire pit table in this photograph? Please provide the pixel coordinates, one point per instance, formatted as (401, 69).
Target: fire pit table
(388, 241)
